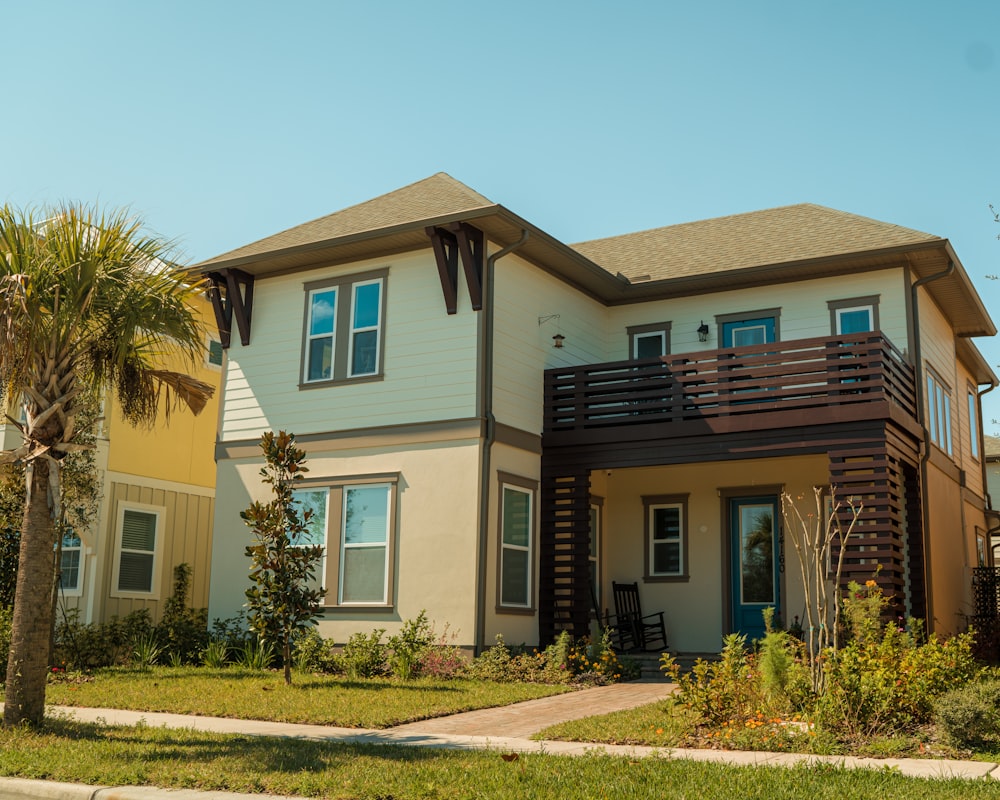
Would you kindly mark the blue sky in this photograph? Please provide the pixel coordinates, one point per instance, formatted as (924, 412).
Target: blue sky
(223, 122)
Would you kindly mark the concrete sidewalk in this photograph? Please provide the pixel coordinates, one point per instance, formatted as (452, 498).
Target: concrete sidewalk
(505, 729)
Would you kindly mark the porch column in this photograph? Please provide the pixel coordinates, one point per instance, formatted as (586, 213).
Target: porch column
(564, 552)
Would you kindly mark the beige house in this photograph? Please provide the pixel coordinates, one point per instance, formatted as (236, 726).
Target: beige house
(497, 421)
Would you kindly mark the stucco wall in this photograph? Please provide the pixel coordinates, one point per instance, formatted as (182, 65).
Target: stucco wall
(434, 562)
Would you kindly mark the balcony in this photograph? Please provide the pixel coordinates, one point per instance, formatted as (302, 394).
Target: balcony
(779, 385)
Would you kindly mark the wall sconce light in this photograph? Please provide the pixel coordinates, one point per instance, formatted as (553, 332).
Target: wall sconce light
(557, 340)
(703, 332)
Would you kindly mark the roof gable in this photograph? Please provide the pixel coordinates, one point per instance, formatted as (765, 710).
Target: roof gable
(760, 238)
(438, 195)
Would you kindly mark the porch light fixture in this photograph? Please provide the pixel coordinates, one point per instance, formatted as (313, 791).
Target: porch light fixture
(703, 332)
(557, 340)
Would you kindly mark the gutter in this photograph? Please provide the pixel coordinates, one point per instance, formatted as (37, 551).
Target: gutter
(918, 369)
(488, 436)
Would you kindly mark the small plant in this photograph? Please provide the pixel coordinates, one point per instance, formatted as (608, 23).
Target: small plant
(494, 663)
(969, 716)
(182, 631)
(216, 654)
(145, 651)
(256, 654)
(443, 659)
(365, 656)
(409, 645)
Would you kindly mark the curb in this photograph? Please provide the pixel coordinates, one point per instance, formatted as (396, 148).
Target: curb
(25, 789)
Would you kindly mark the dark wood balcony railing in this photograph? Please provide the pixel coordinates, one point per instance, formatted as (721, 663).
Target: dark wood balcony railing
(809, 376)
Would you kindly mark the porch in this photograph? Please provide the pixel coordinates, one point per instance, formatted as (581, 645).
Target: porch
(848, 400)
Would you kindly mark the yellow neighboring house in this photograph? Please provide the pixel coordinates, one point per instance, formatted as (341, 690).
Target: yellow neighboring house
(156, 508)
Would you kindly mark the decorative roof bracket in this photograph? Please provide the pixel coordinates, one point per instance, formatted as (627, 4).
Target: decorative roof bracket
(231, 293)
(459, 239)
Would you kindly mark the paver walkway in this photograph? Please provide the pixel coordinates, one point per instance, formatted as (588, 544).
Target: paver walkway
(531, 716)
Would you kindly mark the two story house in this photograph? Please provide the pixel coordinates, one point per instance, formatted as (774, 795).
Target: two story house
(498, 422)
(155, 508)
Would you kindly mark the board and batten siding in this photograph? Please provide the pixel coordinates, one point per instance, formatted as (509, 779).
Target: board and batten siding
(523, 346)
(186, 538)
(429, 358)
(804, 310)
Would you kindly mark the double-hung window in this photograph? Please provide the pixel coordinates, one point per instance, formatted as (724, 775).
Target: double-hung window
(939, 412)
(135, 568)
(344, 329)
(517, 542)
(354, 520)
(666, 537)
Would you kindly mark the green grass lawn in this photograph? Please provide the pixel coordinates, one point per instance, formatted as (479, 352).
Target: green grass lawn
(84, 753)
(312, 699)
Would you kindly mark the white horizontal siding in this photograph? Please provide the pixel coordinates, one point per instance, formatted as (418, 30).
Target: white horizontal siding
(803, 304)
(524, 348)
(429, 369)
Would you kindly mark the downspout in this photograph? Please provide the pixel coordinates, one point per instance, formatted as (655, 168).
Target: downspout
(488, 423)
(918, 369)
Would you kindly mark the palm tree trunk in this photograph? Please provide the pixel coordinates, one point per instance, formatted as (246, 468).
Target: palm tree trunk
(27, 665)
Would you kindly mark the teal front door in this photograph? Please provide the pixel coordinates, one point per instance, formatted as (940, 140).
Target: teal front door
(754, 567)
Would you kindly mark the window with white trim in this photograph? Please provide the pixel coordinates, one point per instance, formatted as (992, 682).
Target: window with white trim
(344, 329)
(517, 534)
(666, 537)
(137, 546)
(70, 562)
(648, 341)
(353, 520)
(939, 412)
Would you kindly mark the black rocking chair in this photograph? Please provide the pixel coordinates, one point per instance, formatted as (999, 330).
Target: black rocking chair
(634, 631)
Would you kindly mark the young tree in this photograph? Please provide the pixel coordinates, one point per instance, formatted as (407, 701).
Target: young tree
(815, 535)
(87, 302)
(284, 563)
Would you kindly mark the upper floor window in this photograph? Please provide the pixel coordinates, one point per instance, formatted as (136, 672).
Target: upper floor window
(648, 341)
(939, 412)
(748, 328)
(344, 327)
(213, 355)
(853, 315)
(69, 563)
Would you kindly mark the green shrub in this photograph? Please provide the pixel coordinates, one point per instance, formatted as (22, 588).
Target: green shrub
(364, 655)
(408, 646)
(145, 651)
(256, 654)
(969, 716)
(182, 631)
(888, 685)
(82, 646)
(215, 654)
(313, 653)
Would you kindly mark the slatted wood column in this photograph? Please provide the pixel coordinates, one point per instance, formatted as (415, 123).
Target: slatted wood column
(915, 542)
(564, 549)
(872, 474)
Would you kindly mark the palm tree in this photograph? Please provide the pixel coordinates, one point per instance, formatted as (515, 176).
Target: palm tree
(87, 301)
